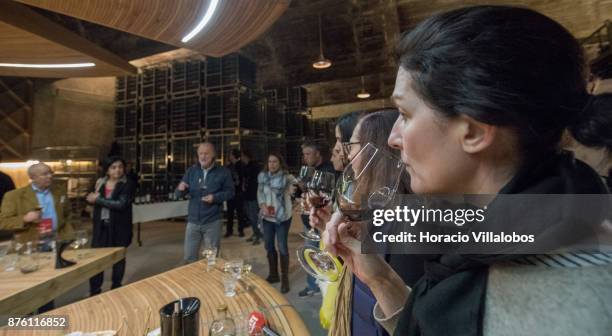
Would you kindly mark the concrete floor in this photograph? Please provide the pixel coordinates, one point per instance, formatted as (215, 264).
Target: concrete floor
(162, 250)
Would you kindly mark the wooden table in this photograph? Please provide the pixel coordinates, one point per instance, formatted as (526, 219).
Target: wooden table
(24, 293)
(107, 311)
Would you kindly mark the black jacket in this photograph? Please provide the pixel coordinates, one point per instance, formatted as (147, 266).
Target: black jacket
(6, 185)
(250, 172)
(120, 207)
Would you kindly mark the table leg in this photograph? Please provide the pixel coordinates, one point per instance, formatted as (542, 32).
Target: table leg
(138, 235)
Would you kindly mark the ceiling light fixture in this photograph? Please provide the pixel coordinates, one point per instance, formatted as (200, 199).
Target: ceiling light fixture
(207, 16)
(363, 94)
(321, 62)
(48, 66)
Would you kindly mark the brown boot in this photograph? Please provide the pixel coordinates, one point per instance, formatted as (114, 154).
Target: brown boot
(273, 263)
(284, 273)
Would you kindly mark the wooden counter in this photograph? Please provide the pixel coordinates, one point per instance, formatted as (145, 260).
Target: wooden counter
(133, 302)
(24, 293)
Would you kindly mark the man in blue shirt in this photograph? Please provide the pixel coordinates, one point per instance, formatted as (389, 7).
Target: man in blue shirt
(208, 186)
(38, 211)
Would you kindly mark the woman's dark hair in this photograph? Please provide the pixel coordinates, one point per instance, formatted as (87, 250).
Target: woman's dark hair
(511, 67)
(107, 162)
(375, 128)
(283, 165)
(346, 124)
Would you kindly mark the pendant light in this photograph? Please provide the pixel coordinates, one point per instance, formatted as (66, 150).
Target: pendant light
(321, 62)
(363, 94)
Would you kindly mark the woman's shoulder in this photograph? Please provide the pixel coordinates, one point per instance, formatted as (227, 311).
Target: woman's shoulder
(550, 295)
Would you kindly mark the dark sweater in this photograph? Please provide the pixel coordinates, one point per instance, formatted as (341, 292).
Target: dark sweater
(218, 183)
(6, 185)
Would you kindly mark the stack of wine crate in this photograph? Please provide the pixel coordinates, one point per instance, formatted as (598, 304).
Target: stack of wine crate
(167, 109)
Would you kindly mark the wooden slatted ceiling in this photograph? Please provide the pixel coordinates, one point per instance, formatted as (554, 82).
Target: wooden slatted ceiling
(28, 37)
(234, 24)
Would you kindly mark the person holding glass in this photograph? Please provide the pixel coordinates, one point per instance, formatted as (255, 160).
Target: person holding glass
(354, 300)
(513, 85)
(38, 212)
(112, 217)
(274, 190)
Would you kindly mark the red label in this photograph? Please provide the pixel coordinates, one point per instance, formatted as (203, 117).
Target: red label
(271, 211)
(45, 226)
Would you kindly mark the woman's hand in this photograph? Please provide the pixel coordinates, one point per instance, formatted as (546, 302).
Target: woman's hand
(263, 209)
(91, 197)
(369, 268)
(341, 237)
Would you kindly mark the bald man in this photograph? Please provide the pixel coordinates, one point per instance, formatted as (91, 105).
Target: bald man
(208, 185)
(38, 210)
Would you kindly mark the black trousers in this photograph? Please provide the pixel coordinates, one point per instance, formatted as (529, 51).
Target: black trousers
(236, 205)
(95, 283)
(105, 239)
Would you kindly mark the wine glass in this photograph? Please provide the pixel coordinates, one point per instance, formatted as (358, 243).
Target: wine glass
(304, 176)
(81, 240)
(210, 253)
(320, 193)
(369, 182)
(235, 267)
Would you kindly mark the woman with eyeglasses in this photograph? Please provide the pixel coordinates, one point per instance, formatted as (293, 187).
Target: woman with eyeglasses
(485, 95)
(354, 300)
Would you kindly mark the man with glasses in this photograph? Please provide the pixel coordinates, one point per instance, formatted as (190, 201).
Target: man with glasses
(38, 212)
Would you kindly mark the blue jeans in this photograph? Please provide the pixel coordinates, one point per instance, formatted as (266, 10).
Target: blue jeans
(310, 280)
(251, 208)
(210, 233)
(281, 231)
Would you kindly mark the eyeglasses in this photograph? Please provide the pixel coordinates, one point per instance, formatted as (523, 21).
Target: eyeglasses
(346, 147)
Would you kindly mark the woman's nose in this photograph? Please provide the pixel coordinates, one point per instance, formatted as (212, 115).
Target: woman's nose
(395, 138)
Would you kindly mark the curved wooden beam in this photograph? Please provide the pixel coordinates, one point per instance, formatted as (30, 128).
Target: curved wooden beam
(27, 36)
(234, 24)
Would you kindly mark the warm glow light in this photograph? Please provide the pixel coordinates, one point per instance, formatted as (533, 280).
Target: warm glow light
(363, 95)
(322, 63)
(207, 16)
(48, 66)
(14, 165)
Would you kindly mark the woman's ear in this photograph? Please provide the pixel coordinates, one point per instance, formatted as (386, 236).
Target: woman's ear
(475, 136)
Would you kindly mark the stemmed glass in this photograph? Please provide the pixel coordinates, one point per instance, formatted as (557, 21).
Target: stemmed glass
(320, 193)
(369, 182)
(304, 176)
(80, 242)
(210, 253)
